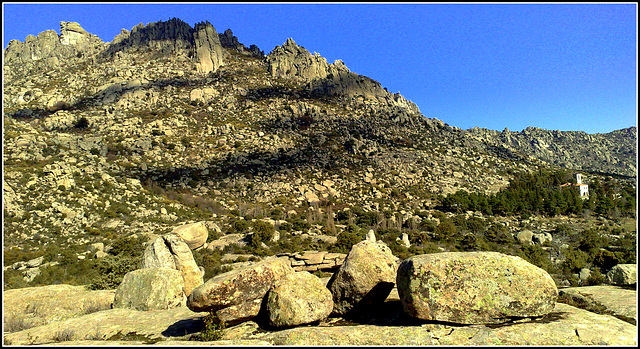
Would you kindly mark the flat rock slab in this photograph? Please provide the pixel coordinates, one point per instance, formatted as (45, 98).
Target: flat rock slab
(44, 304)
(618, 301)
(566, 325)
(119, 324)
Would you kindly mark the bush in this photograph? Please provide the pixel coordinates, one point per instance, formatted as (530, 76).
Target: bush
(605, 260)
(262, 232)
(348, 238)
(574, 260)
(240, 226)
(213, 329)
(111, 271)
(537, 256)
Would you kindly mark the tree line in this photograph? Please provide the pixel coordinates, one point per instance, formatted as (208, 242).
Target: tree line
(541, 193)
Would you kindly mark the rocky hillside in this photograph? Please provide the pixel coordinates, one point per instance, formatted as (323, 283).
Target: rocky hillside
(613, 153)
(169, 124)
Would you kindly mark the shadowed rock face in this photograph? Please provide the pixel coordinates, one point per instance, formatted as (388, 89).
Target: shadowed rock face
(474, 287)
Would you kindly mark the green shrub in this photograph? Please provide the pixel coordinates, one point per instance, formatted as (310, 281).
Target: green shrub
(596, 278)
(213, 329)
(262, 232)
(240, 226)
(537, 256)
(574, 260)
(111, 271)
(351, 236)
(605, 260)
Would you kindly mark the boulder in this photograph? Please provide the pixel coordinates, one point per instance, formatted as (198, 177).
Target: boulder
(525, 237)
(541, 238)
(245, 284)
(158, 255)
(298, 298)
(170, 251)
(365, 278)
(185, 263)
(193, 234)
(623, 274)
(474, 287)
(150, 289)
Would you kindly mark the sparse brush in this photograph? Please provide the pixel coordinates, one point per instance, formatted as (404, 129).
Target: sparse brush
(65, 335)
(14, 323)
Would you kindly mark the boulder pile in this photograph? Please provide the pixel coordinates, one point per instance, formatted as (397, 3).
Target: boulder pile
(457, 287)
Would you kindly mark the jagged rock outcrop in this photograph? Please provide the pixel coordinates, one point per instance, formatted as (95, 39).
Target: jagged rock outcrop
(171, 252)
(50, 49)
(474, 287)
(613, 152)
(208, 50)
(324, 79)
(173, 37)
(230, 41)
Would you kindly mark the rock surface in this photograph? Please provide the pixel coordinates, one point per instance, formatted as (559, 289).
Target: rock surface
(238, 286)
(365, 278)
(565, 325)
(474, 287)
(150, 289)
(193, 234)
(170, 251)
(613, 300)
(623, 274)
(296, 299)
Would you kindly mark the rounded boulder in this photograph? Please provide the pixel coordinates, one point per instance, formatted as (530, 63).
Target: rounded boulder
(474, 287)
(193, 234)
(297, 299)
(150, 289)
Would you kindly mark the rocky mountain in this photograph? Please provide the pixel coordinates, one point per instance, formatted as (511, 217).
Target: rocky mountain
(612, 153)
(96, 134)
(279, 154)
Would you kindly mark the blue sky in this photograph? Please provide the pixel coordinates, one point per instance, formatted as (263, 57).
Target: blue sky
(569, 67)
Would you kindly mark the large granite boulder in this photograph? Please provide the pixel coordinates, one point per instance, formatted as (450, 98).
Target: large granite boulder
(474, 287)
(193, 234)
(150, 289)
(170, 251)
(237, 294)
(623, 274)
(298, 298)
(365, 278)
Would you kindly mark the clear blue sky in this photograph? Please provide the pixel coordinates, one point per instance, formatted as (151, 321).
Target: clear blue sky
(554, 66)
